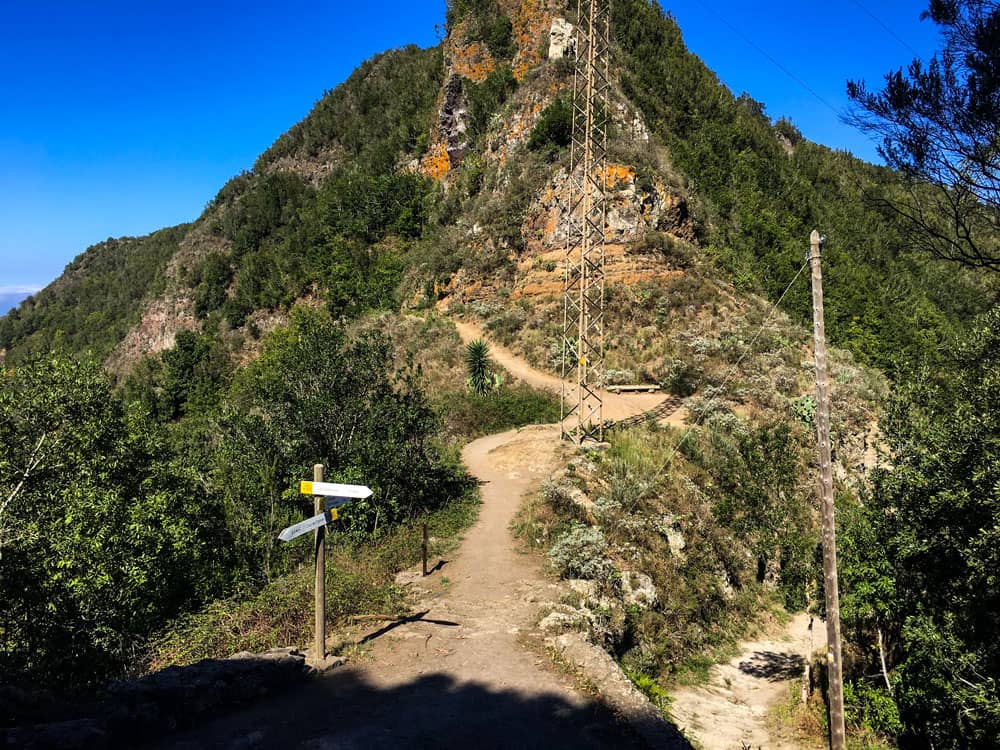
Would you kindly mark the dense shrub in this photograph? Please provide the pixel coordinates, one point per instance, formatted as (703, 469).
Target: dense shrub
(580, 553)
(103, 535)
(554, 129)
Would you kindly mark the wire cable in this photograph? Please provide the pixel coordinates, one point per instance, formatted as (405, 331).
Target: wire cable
(732, 371)
(888, 30)
(771, 59)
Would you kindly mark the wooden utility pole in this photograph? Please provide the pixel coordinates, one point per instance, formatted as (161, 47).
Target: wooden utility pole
(319, 642)
(833, 655)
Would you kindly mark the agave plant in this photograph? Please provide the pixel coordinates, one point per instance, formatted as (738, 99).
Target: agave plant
(477, 363)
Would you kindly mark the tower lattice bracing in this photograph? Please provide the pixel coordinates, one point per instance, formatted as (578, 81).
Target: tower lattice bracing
(583, 307)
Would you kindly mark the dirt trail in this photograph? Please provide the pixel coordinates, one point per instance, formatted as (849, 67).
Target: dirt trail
(617, 406)
(458, 674)
(730, 711)
(462, 672)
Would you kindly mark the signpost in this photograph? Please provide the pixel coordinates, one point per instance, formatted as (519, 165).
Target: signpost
(306, 526)
(327, 497)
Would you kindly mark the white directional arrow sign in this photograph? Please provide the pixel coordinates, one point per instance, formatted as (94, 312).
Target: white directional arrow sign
(348, 491)
(308, 525)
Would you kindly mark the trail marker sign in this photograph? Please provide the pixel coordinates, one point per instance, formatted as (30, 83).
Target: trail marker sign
(308, 525)
(328, 489)
(335, 495)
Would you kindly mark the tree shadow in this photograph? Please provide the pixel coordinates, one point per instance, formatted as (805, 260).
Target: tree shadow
(772, 666)
(440, 564)
(418, 617)
(344, 710)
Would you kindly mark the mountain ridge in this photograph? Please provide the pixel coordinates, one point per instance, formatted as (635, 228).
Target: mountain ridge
(462, 114)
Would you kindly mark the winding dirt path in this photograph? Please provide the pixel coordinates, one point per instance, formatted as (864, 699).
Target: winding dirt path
(459, 673)
(466, 669)
(730, 711)
(617, 406)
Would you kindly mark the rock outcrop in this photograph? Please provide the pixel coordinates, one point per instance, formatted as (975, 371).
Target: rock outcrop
(562, 40)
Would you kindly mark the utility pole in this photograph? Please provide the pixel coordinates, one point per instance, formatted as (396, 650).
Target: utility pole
(583, 289)
(830, 585)
(319, 642)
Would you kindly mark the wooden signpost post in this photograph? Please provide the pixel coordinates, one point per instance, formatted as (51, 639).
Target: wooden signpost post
(327, 497)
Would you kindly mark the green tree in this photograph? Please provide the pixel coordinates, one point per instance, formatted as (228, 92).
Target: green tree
(314, 396)
(938, 126)
(923, 557)
(103, 536)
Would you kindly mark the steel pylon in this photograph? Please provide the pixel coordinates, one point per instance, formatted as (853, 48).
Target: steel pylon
(583, 298)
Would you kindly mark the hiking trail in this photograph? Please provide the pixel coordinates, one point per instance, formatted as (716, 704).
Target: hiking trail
(468, 668)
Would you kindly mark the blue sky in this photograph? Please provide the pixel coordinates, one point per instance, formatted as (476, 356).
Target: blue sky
(118, 118)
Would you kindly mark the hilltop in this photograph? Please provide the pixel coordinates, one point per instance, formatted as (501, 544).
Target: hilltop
(206, 366)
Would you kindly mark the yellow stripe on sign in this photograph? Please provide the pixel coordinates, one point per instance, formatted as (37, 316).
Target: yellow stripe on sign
(333, 514)
(306, 488)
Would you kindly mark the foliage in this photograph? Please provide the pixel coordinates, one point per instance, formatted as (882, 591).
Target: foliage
(871, 709)
(554, 129)
(466, 415)
(580, 553)
(754, 485)
(96, 300)
(185, 380)
(922, 554)
(288, 237)
(103, 536)
(486, 98)
(760, 203)
(937, 123)
(315, 397)
(486, 23)
(477, 365)
(212, 280)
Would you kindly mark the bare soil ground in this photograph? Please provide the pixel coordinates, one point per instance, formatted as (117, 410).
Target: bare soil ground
(730, 710)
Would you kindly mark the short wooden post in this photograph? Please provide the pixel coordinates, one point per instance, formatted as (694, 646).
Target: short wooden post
(319, 642)
(424, 549)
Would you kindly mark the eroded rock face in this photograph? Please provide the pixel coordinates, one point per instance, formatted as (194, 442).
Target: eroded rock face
(453, 120)
(162, 320)
(632, 209)
(562, 40)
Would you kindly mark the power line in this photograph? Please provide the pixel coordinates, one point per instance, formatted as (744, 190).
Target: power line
(771, 59)
(888, 30)
(732, 371)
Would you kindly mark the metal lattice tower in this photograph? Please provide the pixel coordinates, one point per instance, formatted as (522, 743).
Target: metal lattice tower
(583, 305)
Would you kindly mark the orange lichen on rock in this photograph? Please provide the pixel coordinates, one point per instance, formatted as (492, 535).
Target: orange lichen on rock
(618, 174)
(436, 164)
(530, 20)
(473, 61)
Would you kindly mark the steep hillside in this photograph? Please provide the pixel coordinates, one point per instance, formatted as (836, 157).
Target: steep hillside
(429, 187)
(442, 169)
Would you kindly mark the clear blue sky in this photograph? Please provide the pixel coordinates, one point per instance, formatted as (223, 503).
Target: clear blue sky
(118, 118)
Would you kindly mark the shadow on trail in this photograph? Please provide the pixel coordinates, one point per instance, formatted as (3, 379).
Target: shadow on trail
(345, 711)
(440, 565)
(772, 666)
(418, 617)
